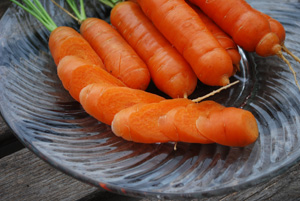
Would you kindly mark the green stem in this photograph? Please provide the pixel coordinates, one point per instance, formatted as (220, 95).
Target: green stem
(80, 14)
(111, 3)
(37, 10)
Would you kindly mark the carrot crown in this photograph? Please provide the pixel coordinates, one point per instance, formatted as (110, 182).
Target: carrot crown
(36, 9)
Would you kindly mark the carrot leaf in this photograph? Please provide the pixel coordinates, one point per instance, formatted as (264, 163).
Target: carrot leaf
(79, 13)
(36, 9)
(110, 3)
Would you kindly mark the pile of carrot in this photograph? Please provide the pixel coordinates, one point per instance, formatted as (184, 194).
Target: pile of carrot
(174, 43)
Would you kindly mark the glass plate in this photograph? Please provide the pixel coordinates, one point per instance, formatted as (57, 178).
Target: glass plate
(55, 127)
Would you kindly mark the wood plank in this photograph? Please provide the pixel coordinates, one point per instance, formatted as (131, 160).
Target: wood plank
(26, 177)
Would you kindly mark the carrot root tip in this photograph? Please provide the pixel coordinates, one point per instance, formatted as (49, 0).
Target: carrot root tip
(285, 49)
(225, 80)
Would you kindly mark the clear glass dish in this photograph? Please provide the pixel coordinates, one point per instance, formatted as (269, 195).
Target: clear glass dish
(56, 128)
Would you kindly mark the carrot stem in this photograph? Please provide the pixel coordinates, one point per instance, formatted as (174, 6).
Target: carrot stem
(36, 9)
(81, 15)
(214, 92)
(110, 3)
(65, 10)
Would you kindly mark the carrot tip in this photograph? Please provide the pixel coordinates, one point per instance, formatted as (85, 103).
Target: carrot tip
(285, 49)
(224, 80)
(290, 67)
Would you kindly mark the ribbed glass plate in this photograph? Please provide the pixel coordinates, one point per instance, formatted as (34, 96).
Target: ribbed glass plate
(55, 127)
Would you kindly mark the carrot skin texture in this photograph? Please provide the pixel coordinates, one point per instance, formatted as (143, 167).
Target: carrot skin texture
(248, 27)
(103, 102)
(65, 41)
(168, 69)
(181, 25)
(179, 124)
(76, 73)
(142, 121)
(229, 127)
(277, 28)
(118, 57)
(223, 38)
(162, 122)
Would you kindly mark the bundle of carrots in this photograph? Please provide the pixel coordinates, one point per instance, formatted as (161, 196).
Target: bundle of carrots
(107, 68)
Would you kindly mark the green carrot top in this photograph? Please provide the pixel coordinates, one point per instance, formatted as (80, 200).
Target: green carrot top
(111, 3)
(36, 9)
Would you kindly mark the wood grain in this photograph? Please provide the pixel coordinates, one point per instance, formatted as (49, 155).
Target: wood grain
(26, 177)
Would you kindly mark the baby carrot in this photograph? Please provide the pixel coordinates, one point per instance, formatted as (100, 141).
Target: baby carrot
(181, 25)
(279, 30)
(118, 56)
(248, 27)
(168, 69)
(229, 126)
(212, 123)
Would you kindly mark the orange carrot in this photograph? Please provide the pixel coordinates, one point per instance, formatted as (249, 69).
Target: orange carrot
(230, 127)
(104, 102)
(76, 73)
(277, 28)
(118, 56)
(181, 25)
(224, 39)
(148, 123)
(168, 69)
(65, 41)
(248, 27)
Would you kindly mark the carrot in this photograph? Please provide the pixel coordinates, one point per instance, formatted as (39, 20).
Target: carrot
(76, 73)
(168, 69)
(277, 28)
(104, 102)
(248, 27)
(223, 38)
(118, 56)
(181, 25)
(65, 41)
(147, 123)
(230, 127)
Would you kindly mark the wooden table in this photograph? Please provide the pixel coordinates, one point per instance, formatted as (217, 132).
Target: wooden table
(23, 176)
